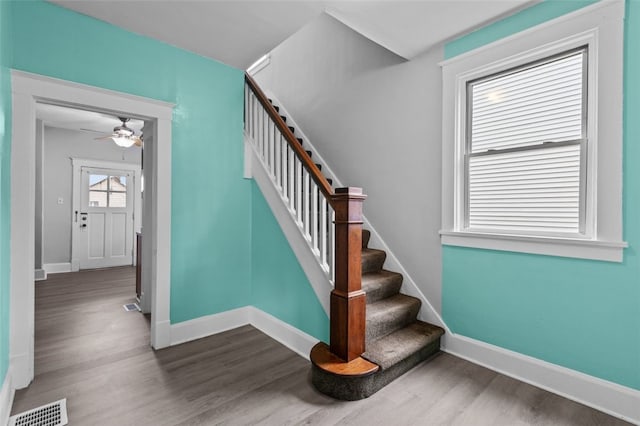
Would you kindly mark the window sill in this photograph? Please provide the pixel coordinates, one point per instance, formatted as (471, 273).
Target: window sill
(610, 251)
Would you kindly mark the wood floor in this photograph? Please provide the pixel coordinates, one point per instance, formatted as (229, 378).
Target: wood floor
(94, 353)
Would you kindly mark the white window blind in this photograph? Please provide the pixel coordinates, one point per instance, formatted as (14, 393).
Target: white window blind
(526, 140)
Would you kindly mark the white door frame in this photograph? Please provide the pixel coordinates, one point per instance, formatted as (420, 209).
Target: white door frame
(27, 89)
(76, 166)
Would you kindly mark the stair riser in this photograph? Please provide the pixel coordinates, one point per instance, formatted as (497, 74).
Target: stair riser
(373, 263)
(366, 236)
(390, 287)
(383, 325)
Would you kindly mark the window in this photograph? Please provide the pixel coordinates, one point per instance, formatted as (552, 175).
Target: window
(107, 191)
(526, 132)
(532, 139)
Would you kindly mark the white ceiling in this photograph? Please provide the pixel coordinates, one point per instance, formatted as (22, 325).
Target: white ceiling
(75, 119)
(240, 32)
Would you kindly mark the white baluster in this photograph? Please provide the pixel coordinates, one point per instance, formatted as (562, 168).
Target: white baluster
(277, 158)
(298, 186)
(285, 169)
(323, 233)
(292, 177)
(314, 218)
(272, 154)
(265, 136)
(307, 206)
(332, 246)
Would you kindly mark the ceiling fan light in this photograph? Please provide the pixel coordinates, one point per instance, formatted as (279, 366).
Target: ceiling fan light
(123, 131)
(123, 141)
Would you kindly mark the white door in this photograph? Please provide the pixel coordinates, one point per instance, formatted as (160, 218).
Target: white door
(105, 218)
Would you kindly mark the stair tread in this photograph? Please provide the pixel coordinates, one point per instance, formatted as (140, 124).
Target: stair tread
(388, 305)
(381, 284)
(399, 345)
(390, 314)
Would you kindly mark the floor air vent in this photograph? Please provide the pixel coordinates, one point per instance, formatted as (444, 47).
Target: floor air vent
(54, 414)
(130, 307)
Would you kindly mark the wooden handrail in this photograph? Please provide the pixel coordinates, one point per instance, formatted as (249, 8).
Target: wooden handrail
(304, 158)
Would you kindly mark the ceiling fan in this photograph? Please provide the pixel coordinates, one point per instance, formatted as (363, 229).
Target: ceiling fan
(123, 136)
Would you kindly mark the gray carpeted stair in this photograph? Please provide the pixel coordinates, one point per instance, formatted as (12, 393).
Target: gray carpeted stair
(395, 347)
(390, 314)
(372, 260)
(381, 284)
(395, 340)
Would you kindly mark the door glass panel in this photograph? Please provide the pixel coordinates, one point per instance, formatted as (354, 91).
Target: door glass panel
(117, 199)
(98, 198)
(107, 191)
(118, 191)
(98, 182)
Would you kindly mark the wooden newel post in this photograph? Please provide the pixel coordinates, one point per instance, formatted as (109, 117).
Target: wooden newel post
(347, 298)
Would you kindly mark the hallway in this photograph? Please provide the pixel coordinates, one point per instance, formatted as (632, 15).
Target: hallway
(94, 353)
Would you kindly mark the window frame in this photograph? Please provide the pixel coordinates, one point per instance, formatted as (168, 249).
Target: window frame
(585, 230)
(599, 28)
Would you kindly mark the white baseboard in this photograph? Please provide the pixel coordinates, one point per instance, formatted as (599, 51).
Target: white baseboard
(56, 268)
(211, 324)
(39, 275)
(296, 340)
(22, 370)
(609, 397)
(160, 334)
(6, 398)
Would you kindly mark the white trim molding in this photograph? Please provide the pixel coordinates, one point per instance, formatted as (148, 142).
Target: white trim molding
(209, 325)
(27, 90)
(7, 393)
(56, 268)
(259, 65)
(291, 337)
(600, 28)
(605, 396)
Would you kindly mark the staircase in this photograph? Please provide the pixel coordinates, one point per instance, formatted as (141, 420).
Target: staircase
(375, 333)
(395, 339)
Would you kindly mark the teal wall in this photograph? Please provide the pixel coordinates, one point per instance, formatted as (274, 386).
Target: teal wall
(280, 286)
(584, 315)
(211, 202)
(5, 163)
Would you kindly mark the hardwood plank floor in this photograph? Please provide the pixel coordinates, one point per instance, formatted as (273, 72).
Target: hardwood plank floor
(91, 351)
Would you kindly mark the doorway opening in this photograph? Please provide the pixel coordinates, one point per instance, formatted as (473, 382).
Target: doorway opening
(29, 90)
(88, 196)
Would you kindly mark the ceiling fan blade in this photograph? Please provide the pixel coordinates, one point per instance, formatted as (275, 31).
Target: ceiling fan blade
(137, 141)
(93, 131)
(102, 138)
